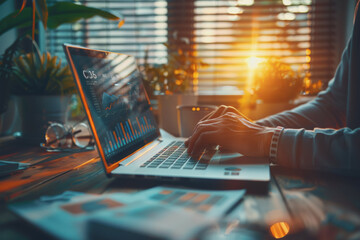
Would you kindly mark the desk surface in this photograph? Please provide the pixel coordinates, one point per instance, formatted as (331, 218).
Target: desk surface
(326, 206)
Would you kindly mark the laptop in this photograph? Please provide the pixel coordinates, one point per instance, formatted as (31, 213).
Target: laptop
(127, 136)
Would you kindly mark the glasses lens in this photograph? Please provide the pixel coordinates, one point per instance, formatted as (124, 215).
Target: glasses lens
(81, 135)
(55, 135)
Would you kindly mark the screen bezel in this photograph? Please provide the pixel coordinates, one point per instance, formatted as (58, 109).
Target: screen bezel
(72, 49)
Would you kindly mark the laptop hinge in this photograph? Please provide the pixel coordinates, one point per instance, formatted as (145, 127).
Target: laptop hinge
(140, 152)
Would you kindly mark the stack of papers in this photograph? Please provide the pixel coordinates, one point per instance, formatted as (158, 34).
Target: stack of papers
(157, 213)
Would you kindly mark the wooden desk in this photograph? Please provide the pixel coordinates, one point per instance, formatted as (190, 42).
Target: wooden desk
(325, 205)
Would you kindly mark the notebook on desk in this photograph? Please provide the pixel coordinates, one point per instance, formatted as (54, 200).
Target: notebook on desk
(126, 133)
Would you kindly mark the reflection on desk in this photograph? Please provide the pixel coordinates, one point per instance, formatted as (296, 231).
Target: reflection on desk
(311, 204)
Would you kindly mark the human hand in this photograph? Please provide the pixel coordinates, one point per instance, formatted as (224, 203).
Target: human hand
(221, 110)
(231, 132)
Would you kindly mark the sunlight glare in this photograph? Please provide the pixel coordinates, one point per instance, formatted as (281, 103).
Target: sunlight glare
(245, 2)
(160, 11)
(286, 16)
(235, 10)
(207, 32)
(76, 26)
(160, 25)
(280, 229)
(253, 62)
(286, 2)
(207, 39)
(160, 4)
(233, 17)
(298, 9)
(296, 2)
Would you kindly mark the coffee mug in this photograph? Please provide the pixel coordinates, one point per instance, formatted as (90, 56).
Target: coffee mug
(189, 116)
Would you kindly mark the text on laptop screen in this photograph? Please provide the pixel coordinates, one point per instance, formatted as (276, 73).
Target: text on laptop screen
(117, 101)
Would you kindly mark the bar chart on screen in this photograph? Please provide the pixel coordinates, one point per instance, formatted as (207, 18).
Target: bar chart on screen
(129, 132)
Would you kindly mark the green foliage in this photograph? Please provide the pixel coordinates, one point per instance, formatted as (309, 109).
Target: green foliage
(36, 74)
(66, 12)
(6, 67)
(53, 16)
(276, 81)
(11, 21)
(177, 75)
(32, 73)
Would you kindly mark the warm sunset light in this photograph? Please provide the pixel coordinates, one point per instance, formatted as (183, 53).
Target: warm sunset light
(226, 119)
(245, 2)
(298, 9)
(253, 62)
(235, 10)
(286, 16)
(295, 2)
(279, 229)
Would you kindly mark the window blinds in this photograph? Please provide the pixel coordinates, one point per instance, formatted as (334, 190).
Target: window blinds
(230, 36)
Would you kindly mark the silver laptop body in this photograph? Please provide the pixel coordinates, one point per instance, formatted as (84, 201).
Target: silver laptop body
(125, 131)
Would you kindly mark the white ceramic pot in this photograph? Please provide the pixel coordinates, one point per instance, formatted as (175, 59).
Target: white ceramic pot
(167, 110)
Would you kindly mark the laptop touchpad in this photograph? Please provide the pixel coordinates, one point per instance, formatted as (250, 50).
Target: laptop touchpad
(236, 158)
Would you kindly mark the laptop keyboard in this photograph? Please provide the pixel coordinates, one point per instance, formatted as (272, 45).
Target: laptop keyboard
(174, 156)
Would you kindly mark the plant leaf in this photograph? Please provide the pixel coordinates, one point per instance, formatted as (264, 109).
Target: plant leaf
(42, 11)
(12, 21)
(22, 7)
(58, 14)
(33, 19)
(45, 77)
(67, 12)
(121, 22)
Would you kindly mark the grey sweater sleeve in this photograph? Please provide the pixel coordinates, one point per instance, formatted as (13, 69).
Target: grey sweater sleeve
(320, 149)
(304, 145)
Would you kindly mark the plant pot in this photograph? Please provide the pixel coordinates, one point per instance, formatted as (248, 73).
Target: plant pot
(264, 109)
(167, 110)
(189, 116)
(9, 120)
(37, 111)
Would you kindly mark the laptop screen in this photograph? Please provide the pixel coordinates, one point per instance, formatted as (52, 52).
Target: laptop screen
(111, 86)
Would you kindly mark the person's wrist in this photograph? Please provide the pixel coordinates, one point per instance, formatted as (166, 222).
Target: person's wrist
(269, 132)
(274, 143)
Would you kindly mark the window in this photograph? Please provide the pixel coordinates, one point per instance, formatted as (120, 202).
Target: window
(231, 36)
(145, 28)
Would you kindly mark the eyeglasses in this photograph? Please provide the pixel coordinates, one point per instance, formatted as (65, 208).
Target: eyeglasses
(60, 137)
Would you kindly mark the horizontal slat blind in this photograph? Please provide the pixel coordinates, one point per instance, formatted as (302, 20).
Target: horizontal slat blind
(232, 35)
(228, 35)
(145, 28)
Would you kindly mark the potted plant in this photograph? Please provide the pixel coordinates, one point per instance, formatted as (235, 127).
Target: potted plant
(276, 81)
(7, 121)
(43, 87)
(174, 82)
(43, 83)
(275, 85)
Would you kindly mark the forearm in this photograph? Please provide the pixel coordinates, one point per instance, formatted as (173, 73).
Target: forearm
(320, 112)
(320, 149)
